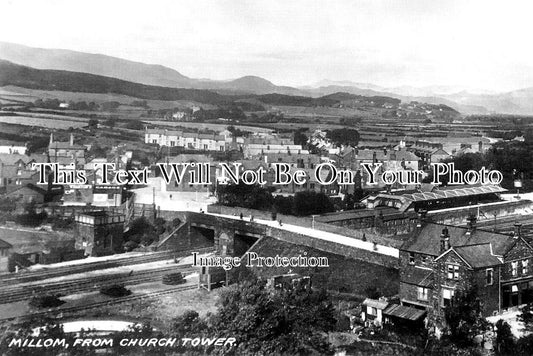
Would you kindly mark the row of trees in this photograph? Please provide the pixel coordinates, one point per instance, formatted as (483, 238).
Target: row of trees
(513, 159)
(79, 105)
(256, 197)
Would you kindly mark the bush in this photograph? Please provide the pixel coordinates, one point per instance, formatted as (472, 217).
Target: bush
(46, 301)
(173, 278)
(115, 290)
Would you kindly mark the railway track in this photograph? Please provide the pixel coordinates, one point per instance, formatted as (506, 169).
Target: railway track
(60, 312)
(30, 276)
(18, 293)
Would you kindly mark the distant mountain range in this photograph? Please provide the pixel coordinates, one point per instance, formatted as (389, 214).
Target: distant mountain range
(12, 74)
(465, 100)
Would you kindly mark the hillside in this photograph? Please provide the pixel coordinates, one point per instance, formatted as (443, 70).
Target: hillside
(98, 64)
(26, 77)
(57, 80)
(149, 74)
(464, 100)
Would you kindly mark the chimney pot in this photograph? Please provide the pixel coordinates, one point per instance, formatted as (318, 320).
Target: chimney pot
(444, 240)
(471, 223)
(517, 230)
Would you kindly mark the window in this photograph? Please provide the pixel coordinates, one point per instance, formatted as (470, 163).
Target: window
(489, 274)
(514, 269)
(525, 266)
(411, 258)
(154, 141)
(424, 259)
(447, 295)
(453, 272)
(172, 143)
(422, 293)
(371, 310)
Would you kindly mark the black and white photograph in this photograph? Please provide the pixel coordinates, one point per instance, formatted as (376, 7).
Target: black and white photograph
(281, 177)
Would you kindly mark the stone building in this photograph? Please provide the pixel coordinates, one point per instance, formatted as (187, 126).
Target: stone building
(440, 261)
(99, 233)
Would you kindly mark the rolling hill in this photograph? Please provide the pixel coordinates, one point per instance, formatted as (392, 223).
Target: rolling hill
(12, 74)
(149, 74)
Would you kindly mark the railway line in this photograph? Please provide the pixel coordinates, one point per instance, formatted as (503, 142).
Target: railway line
(62, 311)
(72, 286)
(506, 224)
(51, 272)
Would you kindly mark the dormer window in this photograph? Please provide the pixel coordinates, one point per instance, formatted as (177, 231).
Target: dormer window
(411, 258)
(525, 266)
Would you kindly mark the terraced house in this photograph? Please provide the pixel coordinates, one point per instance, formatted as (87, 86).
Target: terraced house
(439, 261)
(188, 140)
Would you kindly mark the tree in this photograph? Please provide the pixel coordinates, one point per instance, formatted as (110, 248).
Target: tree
(274, 322)
(463, 316)
(524, 345)
(93, 124)
(526, 316)
(300, 138)
(505, 344)
(135, 125)
(246, 196)
(311, 203)
(344, 136)
(111, 122)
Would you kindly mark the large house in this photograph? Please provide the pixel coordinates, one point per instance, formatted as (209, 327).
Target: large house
(66, 153)
(440, 261)
(17, 169)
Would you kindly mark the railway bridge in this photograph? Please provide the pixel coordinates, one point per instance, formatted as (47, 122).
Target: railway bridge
(232, 235)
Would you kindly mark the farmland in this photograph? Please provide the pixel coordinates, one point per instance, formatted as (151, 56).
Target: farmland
(51, 123)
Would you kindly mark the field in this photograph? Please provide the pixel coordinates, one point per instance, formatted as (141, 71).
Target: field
(30, 95)
(43, 122)
(208, 126)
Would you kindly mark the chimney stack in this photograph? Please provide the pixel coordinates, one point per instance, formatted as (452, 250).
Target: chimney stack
(444, 240)
(51, 137)
(421, 216)
(517, 230)
(471, 223)
(72, 139)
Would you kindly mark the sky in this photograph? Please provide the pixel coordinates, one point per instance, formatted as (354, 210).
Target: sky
(464, 43)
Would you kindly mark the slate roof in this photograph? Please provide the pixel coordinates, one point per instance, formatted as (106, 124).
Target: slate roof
(378, 304)
(418, 276)
(11, 159)
(358, 214)
(404, 312)
(66, 145)
(186, 157)
(4, 245)
(391, 155)
(426, 240)
(407, 199)
(478, 256)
